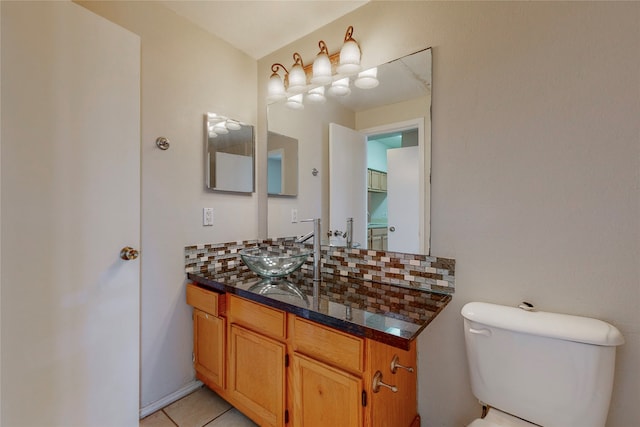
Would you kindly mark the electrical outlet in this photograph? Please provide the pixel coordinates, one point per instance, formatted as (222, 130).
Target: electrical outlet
(294, 215)
(207, 216)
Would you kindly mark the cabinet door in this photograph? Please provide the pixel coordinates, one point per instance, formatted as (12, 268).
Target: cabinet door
(375, 180)
(256, 375)
(387, 408)
(325, 396)
(383, 181)
(208, 348)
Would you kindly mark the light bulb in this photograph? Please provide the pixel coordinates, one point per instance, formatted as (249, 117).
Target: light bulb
(275, 89)
(316, 95)
(321, 66)
(367, 79)
(220, 128)
(340, 87)
(295, 102)
(349, 55)
(297, 76)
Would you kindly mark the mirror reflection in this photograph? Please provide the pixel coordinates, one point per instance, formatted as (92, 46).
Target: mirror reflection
(229, 154)
(372, 150)
(282, 165)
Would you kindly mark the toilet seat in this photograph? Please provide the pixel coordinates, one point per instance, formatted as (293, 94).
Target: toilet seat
(497, 418)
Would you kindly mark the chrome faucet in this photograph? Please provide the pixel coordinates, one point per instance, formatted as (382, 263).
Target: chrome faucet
(349, 232)
(317, 278)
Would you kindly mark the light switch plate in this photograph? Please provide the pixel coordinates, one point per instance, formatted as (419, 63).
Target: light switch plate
(294, 215)
(207, 216)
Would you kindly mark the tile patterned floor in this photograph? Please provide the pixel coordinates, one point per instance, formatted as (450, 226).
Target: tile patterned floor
(201, 408)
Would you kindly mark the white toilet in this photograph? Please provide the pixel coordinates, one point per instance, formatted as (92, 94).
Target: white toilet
(533, 367)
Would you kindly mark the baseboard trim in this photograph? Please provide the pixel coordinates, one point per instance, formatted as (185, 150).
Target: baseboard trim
(168, 400)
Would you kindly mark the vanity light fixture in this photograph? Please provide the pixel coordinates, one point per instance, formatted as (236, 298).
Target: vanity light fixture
(316, 95)
(332, 71)
(367, 79)
(349, 54)
(295, 102)
(297, 76)
(233, 125)
(340, 87)
(322, 66)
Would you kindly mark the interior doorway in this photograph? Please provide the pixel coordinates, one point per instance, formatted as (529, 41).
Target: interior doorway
(396, 190)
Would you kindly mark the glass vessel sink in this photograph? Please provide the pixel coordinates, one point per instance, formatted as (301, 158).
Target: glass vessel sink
(281, 290)
(274, 262)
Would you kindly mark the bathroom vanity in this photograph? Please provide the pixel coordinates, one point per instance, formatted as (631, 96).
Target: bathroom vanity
(349, 360)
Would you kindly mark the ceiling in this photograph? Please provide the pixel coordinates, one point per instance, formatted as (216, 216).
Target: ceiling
(260, 27)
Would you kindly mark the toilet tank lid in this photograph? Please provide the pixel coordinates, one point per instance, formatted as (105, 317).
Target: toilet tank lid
(553, 325)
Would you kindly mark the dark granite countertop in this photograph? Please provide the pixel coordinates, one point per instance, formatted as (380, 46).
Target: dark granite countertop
(391, 314)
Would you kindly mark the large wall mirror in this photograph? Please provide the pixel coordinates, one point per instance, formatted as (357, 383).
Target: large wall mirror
(229, 154)
(365, 156)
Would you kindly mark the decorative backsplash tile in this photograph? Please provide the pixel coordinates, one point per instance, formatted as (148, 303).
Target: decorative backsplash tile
(400, 269)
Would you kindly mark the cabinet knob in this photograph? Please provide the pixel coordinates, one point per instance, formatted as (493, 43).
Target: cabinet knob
(377, 383)
(395, 365)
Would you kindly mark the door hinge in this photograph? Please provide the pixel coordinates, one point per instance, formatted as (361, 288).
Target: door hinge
(193, 357)
(286, 360)
(364, 398)
(286, 416)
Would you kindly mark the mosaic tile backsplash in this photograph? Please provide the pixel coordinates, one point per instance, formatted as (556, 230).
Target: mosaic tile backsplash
(408, 270)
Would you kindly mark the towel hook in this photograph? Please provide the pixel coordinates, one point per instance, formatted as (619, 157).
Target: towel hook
(162, 143)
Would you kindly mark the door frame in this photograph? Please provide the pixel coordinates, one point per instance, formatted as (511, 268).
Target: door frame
(424, 187)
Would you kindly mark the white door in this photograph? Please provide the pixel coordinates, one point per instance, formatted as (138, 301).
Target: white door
(70, 203)
(347, 182)
(403, 199)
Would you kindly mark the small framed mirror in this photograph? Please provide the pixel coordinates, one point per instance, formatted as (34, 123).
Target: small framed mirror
(282, 165)
(229, 154)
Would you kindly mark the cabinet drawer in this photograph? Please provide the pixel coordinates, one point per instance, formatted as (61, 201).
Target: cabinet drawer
(336, 348)
(208, 301)
(257, 317)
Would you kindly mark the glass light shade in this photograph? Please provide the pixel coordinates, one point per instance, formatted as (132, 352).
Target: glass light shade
(220, 128)
(297, 79)
(275, 89)
(316, 95)
(340, 87)
(212, 134)
(233, 125)
(367, 79)
(349, 58)
(295, 102)
(321, 70)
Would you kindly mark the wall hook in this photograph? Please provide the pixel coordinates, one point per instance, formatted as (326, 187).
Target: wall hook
(162, 143)
(314, 172)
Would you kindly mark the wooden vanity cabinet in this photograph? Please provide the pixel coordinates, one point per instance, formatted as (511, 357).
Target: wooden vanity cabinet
(282, 369)
(387, 408)
(257, 358)
(209, 335)
(327, 384)
(324, 395)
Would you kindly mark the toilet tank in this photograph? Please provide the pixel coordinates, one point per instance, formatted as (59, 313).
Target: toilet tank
(551, 369)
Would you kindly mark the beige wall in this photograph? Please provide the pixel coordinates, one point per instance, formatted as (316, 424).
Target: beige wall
(186, 72)
(400, 112)
(536, 163)
(311, 128)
